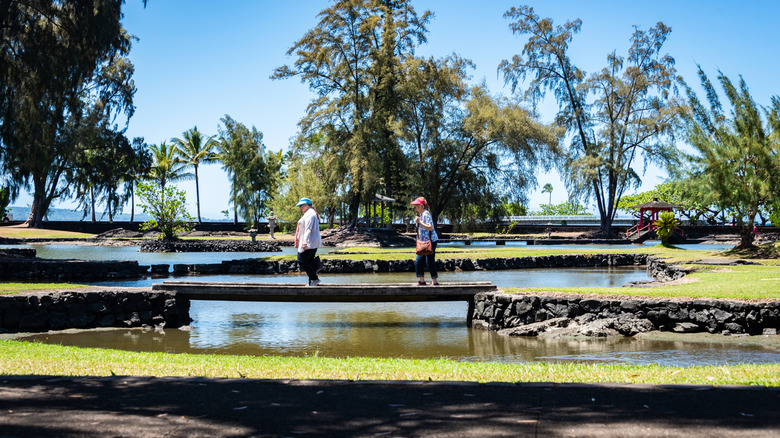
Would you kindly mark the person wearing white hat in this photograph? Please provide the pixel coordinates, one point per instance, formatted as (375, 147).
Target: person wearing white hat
(307, 240)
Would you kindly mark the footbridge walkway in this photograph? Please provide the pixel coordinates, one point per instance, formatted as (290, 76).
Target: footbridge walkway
(334, 292)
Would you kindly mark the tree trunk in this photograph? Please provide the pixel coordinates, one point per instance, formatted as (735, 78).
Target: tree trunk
(606, 227)
(92, 202)
(197, 193)
(39, 204)
(746, 233)
(354, 210)
(132, 202)
(235, 202)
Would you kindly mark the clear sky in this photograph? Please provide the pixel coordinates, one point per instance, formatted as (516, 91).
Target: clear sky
(197, 60)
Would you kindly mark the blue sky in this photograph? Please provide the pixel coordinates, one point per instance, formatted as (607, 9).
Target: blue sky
(198, 60)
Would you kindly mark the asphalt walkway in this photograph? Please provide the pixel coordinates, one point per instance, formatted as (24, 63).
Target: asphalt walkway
(193, 407)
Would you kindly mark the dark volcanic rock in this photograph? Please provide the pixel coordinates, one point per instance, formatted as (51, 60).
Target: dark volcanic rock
(215, 245)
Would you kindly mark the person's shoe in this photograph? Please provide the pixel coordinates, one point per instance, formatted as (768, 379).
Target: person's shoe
(421, 283)
(435, 283)
(320, 266)
(314, 282)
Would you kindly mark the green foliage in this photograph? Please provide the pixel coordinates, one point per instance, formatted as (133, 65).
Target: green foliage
(193, 149)
(774, 215)
(350, 61)
(166, 167)
(467, 148)
(736, 163)
(615, 116)
(104, 161)
(168, 209)
(64, 69)
(568, 208)
(255, 173)
(5, 199)
(681, 193)
(665, 226)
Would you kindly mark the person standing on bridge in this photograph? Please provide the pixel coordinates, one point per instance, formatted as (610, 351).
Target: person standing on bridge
(425, 233)
(307, 240)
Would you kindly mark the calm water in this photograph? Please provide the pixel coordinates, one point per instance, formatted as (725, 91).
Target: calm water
(407, 330)
(404, 330)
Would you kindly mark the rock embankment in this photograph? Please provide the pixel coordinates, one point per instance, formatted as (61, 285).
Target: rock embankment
(559, 316)
(212, 245)
(35, 269)
(92, 309)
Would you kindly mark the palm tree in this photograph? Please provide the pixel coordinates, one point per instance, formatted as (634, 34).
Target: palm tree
(194, 149)
(548, 188)
(166, 167)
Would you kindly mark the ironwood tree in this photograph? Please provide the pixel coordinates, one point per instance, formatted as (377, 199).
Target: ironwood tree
(62, 65)
(254, 172)
(616, 118)
(467, 148)
(350, 60)
(736, 163)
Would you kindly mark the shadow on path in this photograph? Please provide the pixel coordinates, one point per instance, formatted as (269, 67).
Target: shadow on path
(140, 406)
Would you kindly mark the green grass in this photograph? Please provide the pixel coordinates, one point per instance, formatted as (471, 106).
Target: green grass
(746, 282)
(18, 232)
(15, 288)
(23, 358)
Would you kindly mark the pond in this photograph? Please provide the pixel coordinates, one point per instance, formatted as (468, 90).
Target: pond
(405, 330)
(387, 330)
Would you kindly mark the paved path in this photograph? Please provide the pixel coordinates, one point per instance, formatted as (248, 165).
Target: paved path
(186, 407)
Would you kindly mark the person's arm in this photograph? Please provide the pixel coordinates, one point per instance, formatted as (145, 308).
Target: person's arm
(308, 223)
(422, 223)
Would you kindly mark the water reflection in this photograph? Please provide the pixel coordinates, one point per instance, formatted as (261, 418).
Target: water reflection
(559, 277)
(387, 330)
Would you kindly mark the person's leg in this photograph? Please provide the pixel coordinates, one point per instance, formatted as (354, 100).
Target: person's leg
(419, 268)
(307, 264)
(431, 261)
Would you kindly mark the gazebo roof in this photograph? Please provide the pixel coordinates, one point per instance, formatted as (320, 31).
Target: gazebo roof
(379, 198)
(655, 204)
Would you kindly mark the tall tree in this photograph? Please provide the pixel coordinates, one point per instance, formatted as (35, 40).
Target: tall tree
(166, 167)
(548, 188)
(137, 170)
(464, 144)
(736, 163)
(349, 60)
(254, 172)
(615, 117)
(103, 160)
(59, 61)
(307, 174)
(194, 148)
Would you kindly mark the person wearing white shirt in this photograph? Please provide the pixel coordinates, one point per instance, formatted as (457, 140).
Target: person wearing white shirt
(307, 240)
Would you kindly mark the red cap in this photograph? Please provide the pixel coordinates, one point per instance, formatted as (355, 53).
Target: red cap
(420, 201)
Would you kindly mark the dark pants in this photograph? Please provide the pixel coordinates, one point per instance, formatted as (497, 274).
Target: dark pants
(429, 260)
(308, 264)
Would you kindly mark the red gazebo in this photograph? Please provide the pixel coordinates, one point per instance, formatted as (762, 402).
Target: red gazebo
(655, 207)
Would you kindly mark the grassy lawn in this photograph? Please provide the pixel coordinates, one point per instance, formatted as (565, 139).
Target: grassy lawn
(14, 288)
(20, 232)
(23, 358)
(746, 282)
